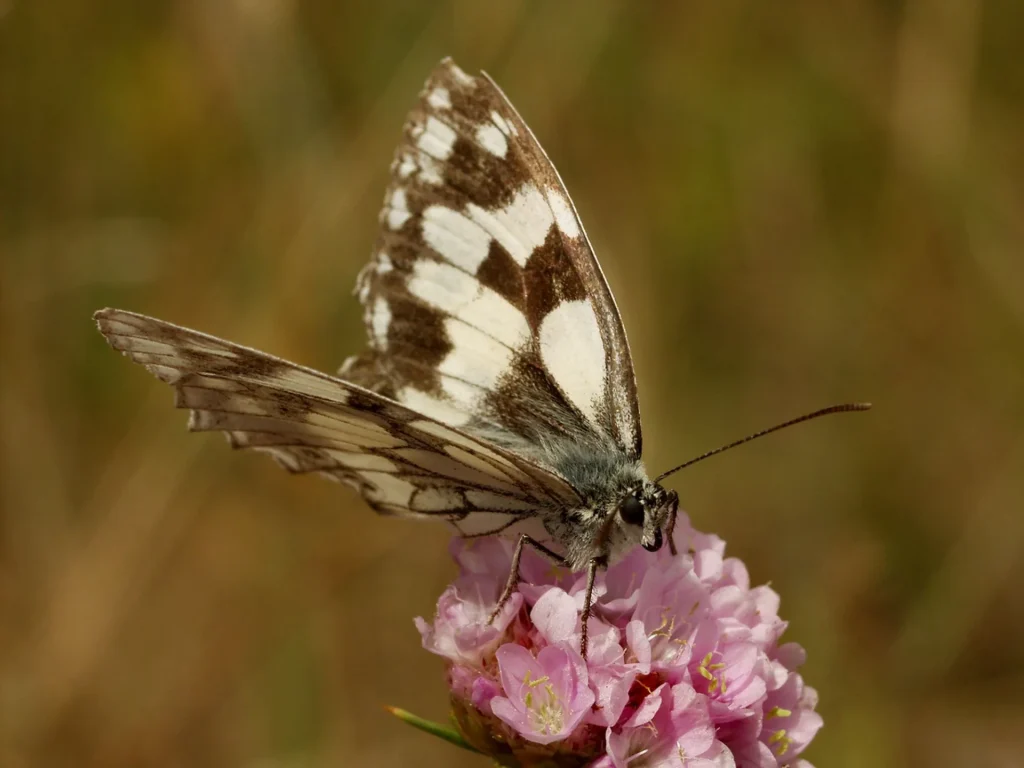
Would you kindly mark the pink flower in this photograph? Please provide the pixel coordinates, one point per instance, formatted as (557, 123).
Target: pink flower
(547, 695)
(683, 667)
(678, 733)
(790, 721)
(461, 631)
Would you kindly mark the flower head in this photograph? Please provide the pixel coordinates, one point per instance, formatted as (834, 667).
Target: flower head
(684, 666)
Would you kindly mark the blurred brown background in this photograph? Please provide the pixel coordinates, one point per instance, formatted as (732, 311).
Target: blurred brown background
(794, 205)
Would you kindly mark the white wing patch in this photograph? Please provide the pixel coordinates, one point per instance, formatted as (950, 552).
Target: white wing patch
(439, 98)
(565, 217)
(572, 350)
(455, 293)
(506, 126)
(520, 226)
(476, 358)
(433, 407)
(437, 139)
(492, 139)
(396, 209)
(386, 488)
(380, 321)
(418, 165)
(437, 500)
(455, 237)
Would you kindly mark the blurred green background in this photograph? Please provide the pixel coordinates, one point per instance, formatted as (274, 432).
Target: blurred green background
(795, 204)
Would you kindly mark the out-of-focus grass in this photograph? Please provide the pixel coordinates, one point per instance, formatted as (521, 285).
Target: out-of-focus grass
(794, 205)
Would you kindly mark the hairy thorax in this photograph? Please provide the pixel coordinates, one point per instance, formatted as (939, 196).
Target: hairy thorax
(603, 478)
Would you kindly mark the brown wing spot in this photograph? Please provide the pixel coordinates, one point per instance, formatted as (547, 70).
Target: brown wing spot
(500, 273)
(473, 104)
(550, 279)
(414, 324)
(417, 343)
(485, 179)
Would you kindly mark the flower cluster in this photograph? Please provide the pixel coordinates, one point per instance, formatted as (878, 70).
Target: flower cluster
(683, 668)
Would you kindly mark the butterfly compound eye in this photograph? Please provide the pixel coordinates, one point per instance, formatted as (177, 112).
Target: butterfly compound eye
(632, 510)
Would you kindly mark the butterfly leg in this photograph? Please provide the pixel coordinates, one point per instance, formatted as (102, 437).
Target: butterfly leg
(513, 576)
(588, 600)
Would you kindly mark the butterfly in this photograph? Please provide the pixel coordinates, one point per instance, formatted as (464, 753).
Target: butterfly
(497, 391)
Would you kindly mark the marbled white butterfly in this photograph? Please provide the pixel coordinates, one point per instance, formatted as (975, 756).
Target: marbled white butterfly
(497, 389)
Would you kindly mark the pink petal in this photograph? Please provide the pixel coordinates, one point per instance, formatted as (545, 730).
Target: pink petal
(515, 663)
(555, 616)
(690, 720)
(557, 665)
(648, 708)
(611, 694)
(482, 692)
(506, 711)
(792, 655)
(707, 565)
(604, 644)
(735, 572)
(638, 645)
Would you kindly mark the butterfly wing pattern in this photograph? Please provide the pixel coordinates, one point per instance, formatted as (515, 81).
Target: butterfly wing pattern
(404, 463)
(485, 306)
(497, 385)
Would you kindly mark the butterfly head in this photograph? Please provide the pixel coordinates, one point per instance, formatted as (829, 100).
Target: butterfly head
(646, 510)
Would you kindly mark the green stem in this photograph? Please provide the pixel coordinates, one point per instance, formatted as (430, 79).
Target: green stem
(436, 729)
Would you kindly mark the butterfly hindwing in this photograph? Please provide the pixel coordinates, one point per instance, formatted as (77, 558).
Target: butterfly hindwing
(403, 462)
(485, 305)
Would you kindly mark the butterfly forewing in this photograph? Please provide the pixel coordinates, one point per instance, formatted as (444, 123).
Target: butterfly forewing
(485, 306)
(403, 462)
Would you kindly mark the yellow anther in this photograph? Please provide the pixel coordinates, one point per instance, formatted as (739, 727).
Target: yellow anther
(782, 740)
(777, 712)
(707, 671)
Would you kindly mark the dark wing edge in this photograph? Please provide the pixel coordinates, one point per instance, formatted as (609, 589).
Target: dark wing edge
(621, 391)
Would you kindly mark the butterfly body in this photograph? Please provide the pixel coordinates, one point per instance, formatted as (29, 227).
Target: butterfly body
(596, 528)
(497, 388)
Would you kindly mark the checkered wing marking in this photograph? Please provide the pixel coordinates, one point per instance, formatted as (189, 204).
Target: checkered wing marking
(403, 462)
(484, 302)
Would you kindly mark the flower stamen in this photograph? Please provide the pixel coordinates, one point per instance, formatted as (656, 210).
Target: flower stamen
(707, 670)
(782, 740)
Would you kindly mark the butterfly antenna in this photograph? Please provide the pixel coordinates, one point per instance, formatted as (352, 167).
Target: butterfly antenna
(842, 408)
